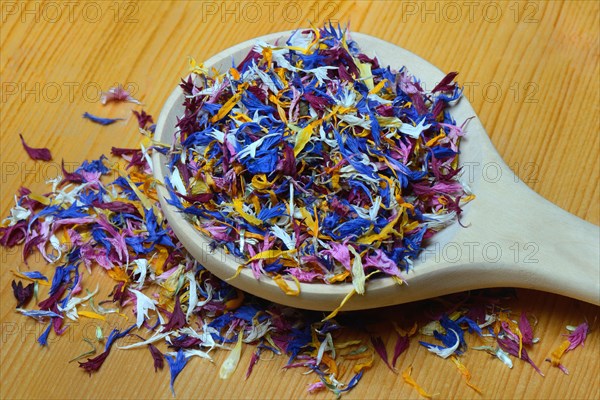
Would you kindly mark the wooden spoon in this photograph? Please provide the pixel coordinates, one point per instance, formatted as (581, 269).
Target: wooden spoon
(513, 238)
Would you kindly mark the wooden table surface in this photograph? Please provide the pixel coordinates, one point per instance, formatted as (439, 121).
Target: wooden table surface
(530, 70)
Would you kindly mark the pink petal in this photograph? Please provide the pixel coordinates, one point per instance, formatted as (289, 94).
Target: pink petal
(382, 262)
(578, 336)
(525, 328)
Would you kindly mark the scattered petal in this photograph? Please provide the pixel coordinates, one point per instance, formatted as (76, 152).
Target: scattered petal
(406, 375)
(176, 365)
(117, 94)
(100, 120)
(231, 362)
(159, 361)
(22, 294)
(42, 153)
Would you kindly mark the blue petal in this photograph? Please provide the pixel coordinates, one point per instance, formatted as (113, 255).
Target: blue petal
(176, 365)
(99, 120)
(34, 275)
(43, 339)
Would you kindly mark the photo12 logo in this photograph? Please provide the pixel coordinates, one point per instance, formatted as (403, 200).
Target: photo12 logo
(69, 11)
(53, 92)
(470, 11)
(269, 11)
(490, 252)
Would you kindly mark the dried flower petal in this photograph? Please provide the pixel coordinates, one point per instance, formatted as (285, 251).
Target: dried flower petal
(402, 343)
(159, 361)
(512, 348)
(143, 119)
(100, 120)
(42, 153)
(117, 94)
(231, 362)
(22, 294)
(176, 365)
(525, 328)
(578, 336)
(406, 375)
(381, 350)
(177, 320)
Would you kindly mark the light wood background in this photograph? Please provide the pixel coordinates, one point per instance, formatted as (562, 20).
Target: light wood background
(530, 70)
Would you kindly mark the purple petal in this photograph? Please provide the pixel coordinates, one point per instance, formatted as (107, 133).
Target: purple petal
(159, 361)
(177, 320)
(253, 361)
(72, 177)
(578, 336)
(526, 330)
(22, 294)
(94, 364)
(401, 346)
(143, 119)
(381, 350)
(11, 236)
(41, 153)
(512, 348)
(445, 84)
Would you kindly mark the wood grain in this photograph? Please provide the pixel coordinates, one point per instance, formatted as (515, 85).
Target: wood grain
(530, 70)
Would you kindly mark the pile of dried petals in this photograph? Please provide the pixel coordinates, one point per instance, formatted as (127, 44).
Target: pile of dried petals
(312, 161)
(118, 228)
(89, 221)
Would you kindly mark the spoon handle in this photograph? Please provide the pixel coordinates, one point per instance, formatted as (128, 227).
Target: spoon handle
(540, 245)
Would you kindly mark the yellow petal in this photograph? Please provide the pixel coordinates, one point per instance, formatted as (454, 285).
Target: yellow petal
(238, 271)
(311, 223)
(503, 317)
(465, 373)
(227, 107)
(234, 74)
(409, 379)
(378, 87)
(330, 362)
(195, 67)
(339, 277)
(344, 301)
(383, 234)
(39, 198)
(91, 314)
(238, 207)
(143, 198)
(270, 254)
(260, 182)
(434, 140)
(366, 365)
(118, 274)
(285, 287)
(349, 343)
(365, 74)
(304, 136)
(556, 355)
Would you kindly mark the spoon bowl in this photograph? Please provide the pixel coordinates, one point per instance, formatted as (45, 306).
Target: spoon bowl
(512, 237)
